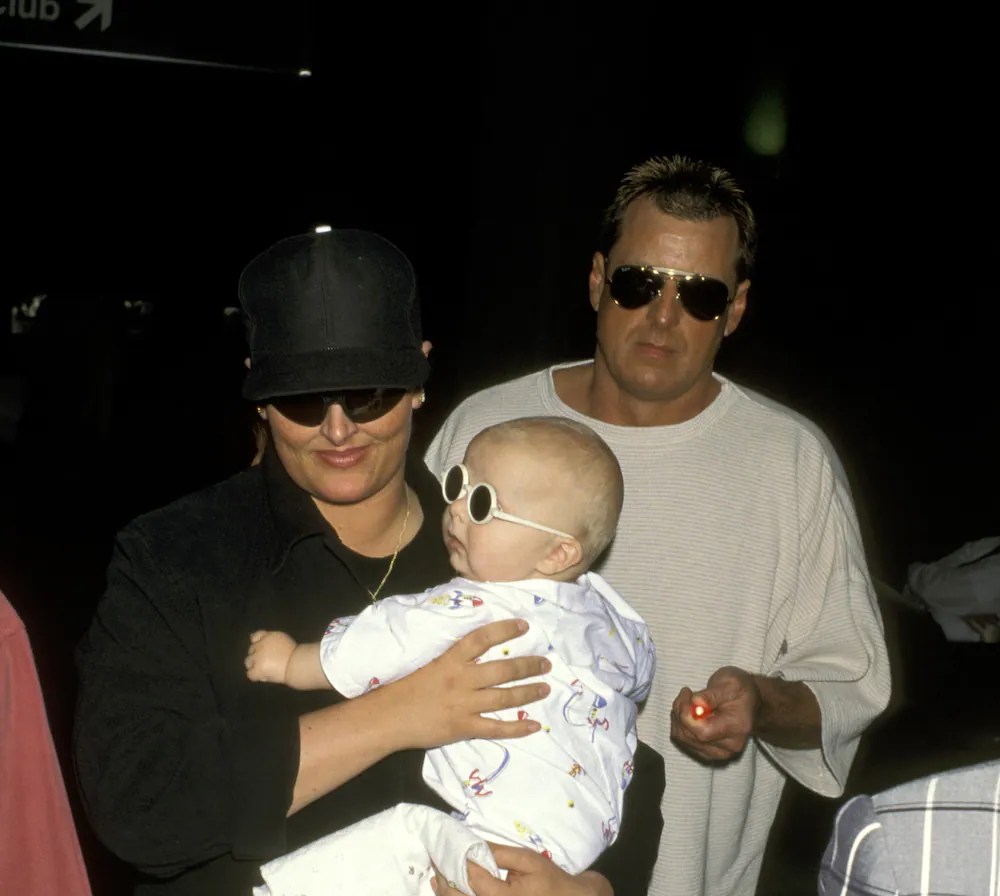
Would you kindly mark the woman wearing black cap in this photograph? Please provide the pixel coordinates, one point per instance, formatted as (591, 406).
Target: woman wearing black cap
(191, 774)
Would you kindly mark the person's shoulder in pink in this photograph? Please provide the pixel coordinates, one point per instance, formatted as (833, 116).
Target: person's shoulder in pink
(40, 851)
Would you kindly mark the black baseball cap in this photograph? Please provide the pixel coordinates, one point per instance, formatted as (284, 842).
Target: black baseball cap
(328, 311)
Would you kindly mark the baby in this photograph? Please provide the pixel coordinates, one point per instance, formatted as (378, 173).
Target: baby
(558, 791)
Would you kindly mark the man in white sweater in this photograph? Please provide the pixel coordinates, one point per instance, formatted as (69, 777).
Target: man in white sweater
(738, 541)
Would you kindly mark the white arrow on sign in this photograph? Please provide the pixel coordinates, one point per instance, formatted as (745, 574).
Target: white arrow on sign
(100, 8)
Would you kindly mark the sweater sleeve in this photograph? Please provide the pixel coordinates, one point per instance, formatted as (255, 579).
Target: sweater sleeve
(175, 769)
(834, 641)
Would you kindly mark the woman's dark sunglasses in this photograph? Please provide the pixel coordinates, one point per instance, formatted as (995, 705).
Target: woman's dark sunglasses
(704, 298)
(360, 405)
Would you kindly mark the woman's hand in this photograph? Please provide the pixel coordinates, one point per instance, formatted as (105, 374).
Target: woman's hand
(440, 703)
(444, 701)
(528, 874)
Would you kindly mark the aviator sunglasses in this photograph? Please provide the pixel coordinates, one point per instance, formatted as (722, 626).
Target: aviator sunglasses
(633, 286)
(481, 500)
(360, 405)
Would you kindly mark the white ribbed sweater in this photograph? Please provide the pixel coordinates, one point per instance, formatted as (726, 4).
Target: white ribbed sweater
(739, 545)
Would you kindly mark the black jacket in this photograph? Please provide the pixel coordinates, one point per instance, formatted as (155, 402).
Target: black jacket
(186, 769)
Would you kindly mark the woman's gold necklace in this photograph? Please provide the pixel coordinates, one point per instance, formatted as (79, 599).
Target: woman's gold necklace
(399, 543)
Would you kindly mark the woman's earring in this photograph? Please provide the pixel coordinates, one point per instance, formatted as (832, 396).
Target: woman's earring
(261, 412)
(422, 397)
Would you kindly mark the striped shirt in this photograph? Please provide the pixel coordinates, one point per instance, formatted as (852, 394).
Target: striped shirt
(935, 836)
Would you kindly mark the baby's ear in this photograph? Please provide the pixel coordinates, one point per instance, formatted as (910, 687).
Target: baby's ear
(564, 554)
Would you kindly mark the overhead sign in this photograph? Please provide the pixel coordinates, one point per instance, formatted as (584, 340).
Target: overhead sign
(270, 35)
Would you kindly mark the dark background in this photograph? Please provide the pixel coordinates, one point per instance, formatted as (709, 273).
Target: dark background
(486, 141)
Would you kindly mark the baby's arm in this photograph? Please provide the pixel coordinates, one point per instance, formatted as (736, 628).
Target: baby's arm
(274, 656)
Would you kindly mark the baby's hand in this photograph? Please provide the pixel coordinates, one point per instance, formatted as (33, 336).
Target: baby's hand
(268, 655)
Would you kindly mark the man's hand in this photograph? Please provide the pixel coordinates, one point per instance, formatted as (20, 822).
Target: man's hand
(739, 705)
(730, 703)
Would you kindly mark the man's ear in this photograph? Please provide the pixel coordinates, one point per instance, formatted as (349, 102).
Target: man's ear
(246, 363)
(596, 280)
(737, 308)
(565, 554)
(426, 347)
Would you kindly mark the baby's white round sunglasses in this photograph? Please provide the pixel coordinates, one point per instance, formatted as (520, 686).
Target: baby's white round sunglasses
(481, 500)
